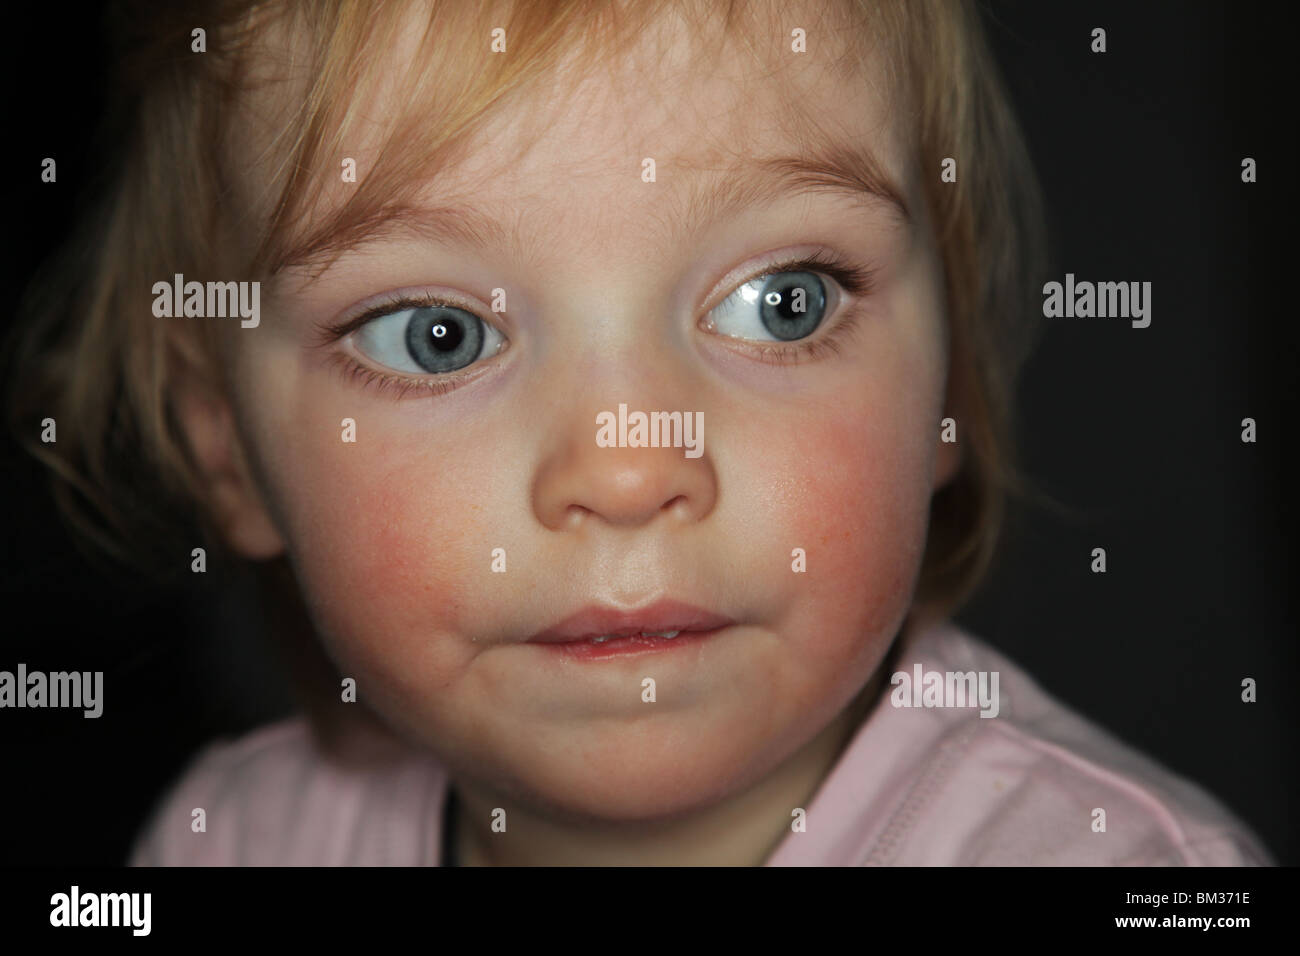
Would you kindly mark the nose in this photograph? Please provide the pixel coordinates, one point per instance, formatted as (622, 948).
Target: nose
(581, 482)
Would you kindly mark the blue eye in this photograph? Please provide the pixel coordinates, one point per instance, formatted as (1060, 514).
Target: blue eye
(427, 340)
(779, 307)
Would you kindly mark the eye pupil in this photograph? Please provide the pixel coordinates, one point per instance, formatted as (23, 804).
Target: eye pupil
(446, 337)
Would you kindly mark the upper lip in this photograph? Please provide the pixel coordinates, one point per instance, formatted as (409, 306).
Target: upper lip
(662, 615)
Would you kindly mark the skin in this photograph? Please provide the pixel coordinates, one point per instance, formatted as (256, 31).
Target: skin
(391, 537)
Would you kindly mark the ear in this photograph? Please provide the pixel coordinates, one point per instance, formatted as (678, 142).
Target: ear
(230, 495)
(946, 463)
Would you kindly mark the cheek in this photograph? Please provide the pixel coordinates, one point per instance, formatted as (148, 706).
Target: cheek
(854, 493)
(868, 529)
(391, 538)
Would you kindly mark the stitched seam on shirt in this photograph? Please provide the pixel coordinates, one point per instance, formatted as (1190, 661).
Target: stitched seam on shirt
(932, 778)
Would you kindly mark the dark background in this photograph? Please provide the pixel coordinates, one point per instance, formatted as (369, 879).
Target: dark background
(1135, 431)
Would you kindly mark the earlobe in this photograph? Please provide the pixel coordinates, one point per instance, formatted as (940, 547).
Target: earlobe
(948, 455)
(231, 496)
(247, 525)
(947, 458)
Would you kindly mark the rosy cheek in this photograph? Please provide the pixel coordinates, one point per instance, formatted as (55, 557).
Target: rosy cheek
(389, 538)
(856, 500)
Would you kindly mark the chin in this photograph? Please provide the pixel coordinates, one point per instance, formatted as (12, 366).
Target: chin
(631, 784)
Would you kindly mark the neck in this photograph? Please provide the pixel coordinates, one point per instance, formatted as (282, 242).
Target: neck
(743, 830)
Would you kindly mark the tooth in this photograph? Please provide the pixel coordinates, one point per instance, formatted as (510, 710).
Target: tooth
(602, 638)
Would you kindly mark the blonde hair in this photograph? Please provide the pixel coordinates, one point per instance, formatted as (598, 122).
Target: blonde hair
(95, 358)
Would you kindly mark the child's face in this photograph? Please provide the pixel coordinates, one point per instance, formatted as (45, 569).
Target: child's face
(835, 453)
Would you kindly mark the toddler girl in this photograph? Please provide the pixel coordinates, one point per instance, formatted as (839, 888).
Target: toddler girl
(623, 417)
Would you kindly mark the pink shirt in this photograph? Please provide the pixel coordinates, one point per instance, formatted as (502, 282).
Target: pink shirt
(916, 786)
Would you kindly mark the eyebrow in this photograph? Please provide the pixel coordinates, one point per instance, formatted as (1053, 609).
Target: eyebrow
(851, 172)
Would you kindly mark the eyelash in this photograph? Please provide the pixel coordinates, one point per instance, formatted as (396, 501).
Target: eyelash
(857, 281)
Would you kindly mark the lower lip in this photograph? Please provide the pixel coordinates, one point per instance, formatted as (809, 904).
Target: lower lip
(628, 646)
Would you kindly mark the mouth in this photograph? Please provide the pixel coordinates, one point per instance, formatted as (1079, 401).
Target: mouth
(598, 632)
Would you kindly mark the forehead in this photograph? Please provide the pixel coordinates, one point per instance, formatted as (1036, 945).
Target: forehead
(691, 103)
(720, 105)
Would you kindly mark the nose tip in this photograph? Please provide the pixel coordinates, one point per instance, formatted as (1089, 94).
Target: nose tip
(628, 493)
(623, 487)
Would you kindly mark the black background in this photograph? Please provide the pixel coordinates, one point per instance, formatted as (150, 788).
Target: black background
(1136, 431)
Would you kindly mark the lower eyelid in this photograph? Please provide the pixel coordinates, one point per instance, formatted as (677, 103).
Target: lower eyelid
(789, 353)
(395, 384)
